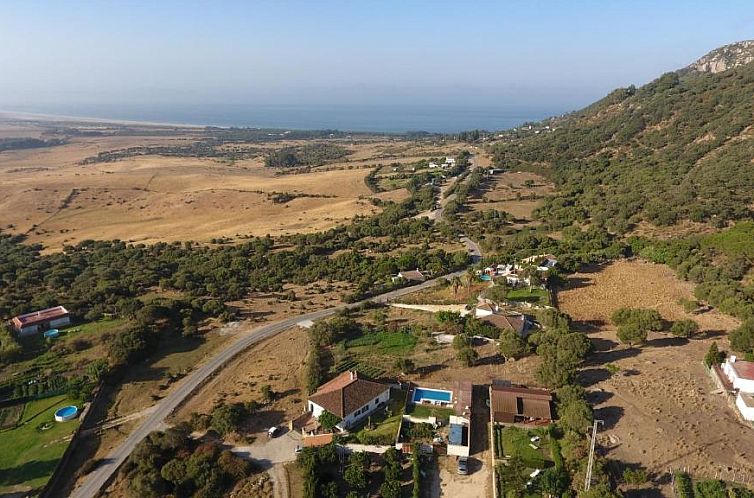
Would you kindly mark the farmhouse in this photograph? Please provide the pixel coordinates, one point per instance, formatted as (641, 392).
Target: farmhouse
(740, 374)
(349, 397)
(511, 404)
(39, 321)
(411, 276)
(738, 377)
(543, 262)
(492, 314)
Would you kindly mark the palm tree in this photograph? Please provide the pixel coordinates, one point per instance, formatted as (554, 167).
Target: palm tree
(456, 283)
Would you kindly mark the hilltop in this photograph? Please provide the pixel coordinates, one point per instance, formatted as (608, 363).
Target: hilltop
(677, 149)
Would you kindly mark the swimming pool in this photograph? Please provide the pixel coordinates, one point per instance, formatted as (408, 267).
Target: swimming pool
(434, 395)
(66, 413)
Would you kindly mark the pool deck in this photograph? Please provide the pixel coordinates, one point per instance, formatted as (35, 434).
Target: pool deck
(414, 387)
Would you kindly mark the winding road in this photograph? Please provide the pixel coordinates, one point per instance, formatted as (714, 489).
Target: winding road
(99, 477)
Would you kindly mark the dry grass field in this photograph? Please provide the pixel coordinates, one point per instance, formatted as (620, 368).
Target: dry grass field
(49, 196)
(512, 192)
(661, 409)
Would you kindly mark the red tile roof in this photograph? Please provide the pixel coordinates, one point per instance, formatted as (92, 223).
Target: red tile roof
(744, 369)
(346, 393)
(41, 316)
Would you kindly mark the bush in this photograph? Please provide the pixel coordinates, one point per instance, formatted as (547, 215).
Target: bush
(635, 476)
(684, 328)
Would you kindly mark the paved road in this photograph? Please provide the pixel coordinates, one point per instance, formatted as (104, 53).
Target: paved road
(437, 214)
(99, 477)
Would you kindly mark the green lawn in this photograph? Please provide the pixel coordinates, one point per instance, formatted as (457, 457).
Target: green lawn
(424, 411)
(385, 423)
(535, 296)
(29, 455)
(389, 343)
(517, 442)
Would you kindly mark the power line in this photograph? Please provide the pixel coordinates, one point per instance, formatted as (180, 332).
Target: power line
(588, 479)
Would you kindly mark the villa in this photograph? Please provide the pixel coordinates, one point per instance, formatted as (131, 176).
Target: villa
(349, 397)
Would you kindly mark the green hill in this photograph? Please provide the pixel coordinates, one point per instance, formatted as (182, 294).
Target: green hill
(680, 147)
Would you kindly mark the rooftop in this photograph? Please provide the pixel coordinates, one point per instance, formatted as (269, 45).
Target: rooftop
(507, 402)
(744, 369)
(40, 316)
(346, 393)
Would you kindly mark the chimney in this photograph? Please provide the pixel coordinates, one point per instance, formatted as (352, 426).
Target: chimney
(353, 374)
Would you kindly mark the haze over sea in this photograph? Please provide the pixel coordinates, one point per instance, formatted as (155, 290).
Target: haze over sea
(377, 118)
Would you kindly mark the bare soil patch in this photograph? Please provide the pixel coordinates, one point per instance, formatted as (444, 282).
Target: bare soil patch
(517, 193)
(278, 362)
(661, 410)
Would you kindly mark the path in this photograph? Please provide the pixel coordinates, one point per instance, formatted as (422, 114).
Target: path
(99, 477)
(437, 214)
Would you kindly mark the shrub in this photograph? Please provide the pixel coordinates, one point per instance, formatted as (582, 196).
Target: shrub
(684, 328)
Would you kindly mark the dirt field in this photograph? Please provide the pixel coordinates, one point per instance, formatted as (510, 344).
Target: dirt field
(48, 195)
(278, 362)
(661, 410)
(509, 192)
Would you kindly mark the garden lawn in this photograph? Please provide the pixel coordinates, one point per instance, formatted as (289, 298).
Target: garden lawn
(424, 411)
(28, 455)
(535, 296)
(517, 442)
(386, 427)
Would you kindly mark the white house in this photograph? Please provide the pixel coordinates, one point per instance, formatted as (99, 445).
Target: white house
(432, 165)
(740, 374)
(39, 321)
(544, 262)
(745, 405)
(349, 397)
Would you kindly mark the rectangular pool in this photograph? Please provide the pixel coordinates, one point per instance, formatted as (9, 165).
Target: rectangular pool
(434, 395)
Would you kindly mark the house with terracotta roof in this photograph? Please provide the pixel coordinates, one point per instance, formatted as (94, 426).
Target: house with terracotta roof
(349, 397)
(39, 321)
(740, 377)
(513, 404)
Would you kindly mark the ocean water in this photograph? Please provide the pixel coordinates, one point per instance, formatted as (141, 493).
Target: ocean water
(387, 118)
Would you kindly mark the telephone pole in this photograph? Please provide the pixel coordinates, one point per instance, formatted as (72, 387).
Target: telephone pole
(588, 480)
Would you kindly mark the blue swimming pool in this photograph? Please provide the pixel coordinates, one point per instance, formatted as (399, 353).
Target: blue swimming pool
(66, 413)
(421, 393)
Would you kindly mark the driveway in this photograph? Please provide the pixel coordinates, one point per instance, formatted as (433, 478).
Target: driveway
(267, 452)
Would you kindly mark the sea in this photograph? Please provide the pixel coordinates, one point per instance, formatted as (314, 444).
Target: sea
(364, 118)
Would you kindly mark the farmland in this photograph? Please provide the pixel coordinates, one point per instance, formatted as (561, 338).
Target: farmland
(661, 408)
(57, 195)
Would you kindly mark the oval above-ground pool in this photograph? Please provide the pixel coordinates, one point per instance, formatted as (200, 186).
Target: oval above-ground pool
(66, 413)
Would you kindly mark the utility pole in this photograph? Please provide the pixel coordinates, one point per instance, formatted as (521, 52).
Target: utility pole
(588, 480)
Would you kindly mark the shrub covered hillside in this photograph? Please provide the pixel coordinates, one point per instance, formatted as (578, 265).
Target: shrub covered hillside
(680, 147)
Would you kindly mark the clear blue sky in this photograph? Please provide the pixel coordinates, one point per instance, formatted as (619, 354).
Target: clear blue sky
(525, 53)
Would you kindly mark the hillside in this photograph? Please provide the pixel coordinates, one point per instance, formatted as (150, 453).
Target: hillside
(679, 148)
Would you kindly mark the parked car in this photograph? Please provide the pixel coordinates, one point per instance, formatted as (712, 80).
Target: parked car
(463, 466)
(273, 431)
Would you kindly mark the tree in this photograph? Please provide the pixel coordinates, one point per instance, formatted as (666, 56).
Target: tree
(513, 474)
(355, 473)
(632, 333)
(554, 481)
(390, 489)
(268, 395)
(511, 345)
(467, 356)
(456, 283)
(576, 416)
(461, 341)
(684, 328)
(742, 338)
(405, 365)
(599, 491)
(714, 356)
(328, 420)
(226, 418)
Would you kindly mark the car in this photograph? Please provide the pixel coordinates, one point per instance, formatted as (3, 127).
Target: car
(463, 466)
(273, 431)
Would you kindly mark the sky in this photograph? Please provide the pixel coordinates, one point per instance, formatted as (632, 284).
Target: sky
(518, 54)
